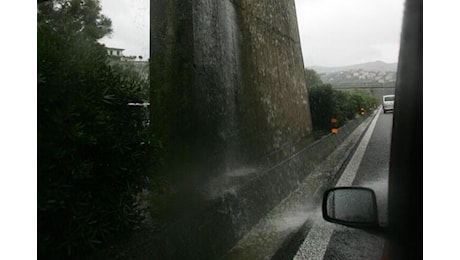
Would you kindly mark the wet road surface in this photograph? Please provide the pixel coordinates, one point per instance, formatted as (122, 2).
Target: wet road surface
(369, 169)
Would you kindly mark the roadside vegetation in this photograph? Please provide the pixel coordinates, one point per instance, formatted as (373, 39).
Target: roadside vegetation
(94, 155)
(327, 103)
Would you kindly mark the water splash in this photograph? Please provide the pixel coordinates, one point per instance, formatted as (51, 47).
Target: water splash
(227, 183)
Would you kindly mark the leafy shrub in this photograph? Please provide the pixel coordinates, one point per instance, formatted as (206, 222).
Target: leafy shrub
(346, 107)
(327, 103)
(363, 100)
(93, 155)
(322, 105)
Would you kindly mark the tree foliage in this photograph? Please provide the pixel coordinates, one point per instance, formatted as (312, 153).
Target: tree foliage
(75, 18)
(322, 105)
(327, 103)
(312, 78)
(92, 153)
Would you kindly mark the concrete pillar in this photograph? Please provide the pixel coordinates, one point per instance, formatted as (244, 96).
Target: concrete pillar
(227, 83)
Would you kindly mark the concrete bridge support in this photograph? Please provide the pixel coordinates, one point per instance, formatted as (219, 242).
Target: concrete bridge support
(227, 80)
(229, 100)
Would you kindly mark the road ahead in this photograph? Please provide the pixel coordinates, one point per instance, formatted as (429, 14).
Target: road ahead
(368, 167)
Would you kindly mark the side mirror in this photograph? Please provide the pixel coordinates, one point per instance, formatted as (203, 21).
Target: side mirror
(351, 206)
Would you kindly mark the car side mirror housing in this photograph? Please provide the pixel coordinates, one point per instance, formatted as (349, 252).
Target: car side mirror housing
(351, 206)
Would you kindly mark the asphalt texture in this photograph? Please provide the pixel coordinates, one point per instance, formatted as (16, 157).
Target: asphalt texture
(296, 230)
(349, 243)
(282, 231)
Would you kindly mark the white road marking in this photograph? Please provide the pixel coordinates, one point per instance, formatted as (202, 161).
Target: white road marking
(349, 173)
(315, 244)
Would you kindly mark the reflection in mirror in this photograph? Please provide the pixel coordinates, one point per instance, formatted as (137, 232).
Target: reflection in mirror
(350, 206)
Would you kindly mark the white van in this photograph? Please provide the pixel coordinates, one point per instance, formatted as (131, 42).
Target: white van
(388, 103)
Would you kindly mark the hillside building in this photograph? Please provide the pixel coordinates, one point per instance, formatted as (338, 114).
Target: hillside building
(116, 54)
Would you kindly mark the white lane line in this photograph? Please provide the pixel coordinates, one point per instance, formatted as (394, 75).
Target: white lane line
(349, 173)
(315, 244)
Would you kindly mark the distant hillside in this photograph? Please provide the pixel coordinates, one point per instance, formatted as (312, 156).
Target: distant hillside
(368, 66)
(370, 74)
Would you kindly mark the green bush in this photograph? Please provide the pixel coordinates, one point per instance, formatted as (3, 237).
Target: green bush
(322, 105)
(327, 103)
(345, 106)
(363, 100)
(93, 154)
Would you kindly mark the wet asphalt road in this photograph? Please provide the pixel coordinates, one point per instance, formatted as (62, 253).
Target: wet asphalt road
(354, 244)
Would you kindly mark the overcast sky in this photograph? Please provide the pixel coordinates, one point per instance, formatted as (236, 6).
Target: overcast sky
(130, 24)
(345, 32)
(332, 32)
